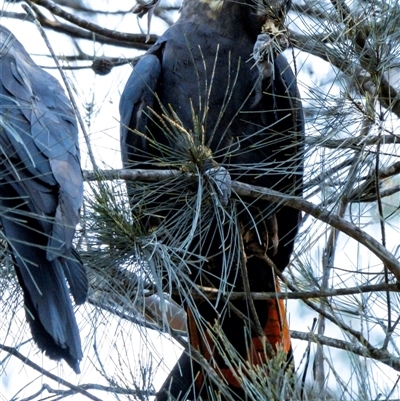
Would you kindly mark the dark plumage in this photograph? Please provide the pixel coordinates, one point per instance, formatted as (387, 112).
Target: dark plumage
(41, 191)
(201, 73)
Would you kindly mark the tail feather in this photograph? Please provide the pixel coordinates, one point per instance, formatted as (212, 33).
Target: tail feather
(52, 323)
(48, 305)
(75, 272)
(276, 331)
(187, 379)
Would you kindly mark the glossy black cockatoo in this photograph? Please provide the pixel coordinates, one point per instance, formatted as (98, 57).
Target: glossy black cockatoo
(215, 93)
(41, 191)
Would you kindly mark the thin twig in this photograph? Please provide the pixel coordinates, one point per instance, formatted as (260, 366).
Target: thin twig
(44, 372)
(383, 235)
(88, 386)
(307, 352)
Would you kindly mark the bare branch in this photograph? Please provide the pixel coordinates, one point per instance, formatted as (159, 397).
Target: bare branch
(77, 389)
(378, 354)
(90, 30)
(213, 293)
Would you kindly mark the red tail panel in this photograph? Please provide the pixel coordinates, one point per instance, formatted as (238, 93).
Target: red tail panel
(276, 329)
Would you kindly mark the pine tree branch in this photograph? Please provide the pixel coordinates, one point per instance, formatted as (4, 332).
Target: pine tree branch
(388, 96)
(253, 191)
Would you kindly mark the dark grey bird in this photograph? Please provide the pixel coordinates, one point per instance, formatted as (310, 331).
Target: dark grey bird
(207, 78)
(41, 192)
